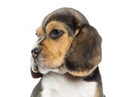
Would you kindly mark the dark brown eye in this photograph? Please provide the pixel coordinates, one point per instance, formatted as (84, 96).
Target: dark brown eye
(54, 34)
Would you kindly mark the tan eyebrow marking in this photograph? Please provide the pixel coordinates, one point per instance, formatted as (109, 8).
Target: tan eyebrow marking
(39, 31)
(55, 25)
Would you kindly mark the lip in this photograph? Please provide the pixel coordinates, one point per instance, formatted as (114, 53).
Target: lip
(34, 66)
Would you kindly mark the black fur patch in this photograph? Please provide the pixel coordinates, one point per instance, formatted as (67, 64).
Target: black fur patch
(94, 76)
(74, 66)
(66, 18)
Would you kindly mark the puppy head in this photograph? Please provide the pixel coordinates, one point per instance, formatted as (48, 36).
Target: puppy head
(66, 43)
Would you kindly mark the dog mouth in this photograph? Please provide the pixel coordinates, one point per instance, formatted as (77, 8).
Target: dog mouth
(38, 66)
(34, 66)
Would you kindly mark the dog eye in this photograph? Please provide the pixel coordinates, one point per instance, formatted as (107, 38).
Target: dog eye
(54, 34)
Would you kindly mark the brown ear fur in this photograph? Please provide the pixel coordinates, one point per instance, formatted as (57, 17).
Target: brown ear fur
(85, 52)
(36, 75)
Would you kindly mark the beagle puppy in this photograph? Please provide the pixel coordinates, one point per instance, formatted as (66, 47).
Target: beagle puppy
(66, 56)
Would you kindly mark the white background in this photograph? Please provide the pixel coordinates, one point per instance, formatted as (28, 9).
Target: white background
(18, 22)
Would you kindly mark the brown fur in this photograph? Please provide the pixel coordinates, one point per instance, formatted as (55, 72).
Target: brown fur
(39, 31)
(99, 92)
(85, 52)
(53, 56)
(79, 52)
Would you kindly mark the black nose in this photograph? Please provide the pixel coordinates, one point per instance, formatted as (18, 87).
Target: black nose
(35, 52)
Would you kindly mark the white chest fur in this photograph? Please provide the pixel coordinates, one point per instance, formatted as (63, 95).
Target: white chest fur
(55, 85)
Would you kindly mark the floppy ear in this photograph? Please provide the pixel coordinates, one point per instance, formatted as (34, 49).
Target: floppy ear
(35, 75)
(84, 54)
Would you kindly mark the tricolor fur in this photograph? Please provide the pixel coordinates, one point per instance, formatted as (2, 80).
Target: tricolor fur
(66, 56)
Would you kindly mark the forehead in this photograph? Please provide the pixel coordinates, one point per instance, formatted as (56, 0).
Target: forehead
(54, 25)
(69, 16)
(60, 19)
(61, 15)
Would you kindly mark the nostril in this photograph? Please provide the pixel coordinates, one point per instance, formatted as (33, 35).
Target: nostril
(35, 52)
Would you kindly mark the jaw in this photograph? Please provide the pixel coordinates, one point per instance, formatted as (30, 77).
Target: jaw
(33, 66)
(47, 70)
(43, 69)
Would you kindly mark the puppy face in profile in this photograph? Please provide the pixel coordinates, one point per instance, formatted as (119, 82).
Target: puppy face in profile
(66, 43)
